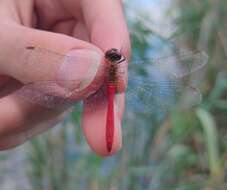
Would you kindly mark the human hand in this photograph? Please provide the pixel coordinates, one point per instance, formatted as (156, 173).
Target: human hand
(90, 30)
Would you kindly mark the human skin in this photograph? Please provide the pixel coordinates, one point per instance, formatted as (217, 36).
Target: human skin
(87, 29)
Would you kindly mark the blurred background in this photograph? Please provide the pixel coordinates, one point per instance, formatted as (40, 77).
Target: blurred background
(185, 150)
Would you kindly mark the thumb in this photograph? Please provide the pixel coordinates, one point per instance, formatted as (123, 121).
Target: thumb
(31, 55)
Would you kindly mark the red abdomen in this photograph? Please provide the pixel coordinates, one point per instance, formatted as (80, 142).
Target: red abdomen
(110, 117)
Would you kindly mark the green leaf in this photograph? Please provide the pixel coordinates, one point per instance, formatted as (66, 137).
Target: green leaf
(211, 136)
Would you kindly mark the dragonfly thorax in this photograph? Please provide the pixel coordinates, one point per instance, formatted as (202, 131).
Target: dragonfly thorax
(112, 73)
(113, 57)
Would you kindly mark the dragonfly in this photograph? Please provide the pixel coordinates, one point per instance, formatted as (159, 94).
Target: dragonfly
(161, 88)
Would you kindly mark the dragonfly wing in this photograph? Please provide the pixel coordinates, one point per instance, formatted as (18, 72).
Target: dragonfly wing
(45, 93)
(184, 64)
(158, 87)
(57, 93)
(53, 94)
(48, 63)
(177, 65)
(153, 98)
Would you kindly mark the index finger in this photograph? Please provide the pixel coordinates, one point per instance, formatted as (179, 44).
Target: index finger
(106, 24)
(107, 27)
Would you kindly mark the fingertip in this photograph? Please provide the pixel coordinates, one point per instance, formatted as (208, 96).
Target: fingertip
(94, 125)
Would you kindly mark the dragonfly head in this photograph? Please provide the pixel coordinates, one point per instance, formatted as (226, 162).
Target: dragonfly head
(113, 55)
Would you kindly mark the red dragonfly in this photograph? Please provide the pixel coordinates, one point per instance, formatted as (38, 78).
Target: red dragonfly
(163, 87)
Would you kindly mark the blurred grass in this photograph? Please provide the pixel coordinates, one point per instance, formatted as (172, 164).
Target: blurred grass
(186, 152)
(211, 136)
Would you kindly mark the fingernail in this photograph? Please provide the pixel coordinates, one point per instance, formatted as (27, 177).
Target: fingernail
(78, 69)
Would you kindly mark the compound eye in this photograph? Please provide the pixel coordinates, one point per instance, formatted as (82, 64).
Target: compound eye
(118, 56)
(113, 55)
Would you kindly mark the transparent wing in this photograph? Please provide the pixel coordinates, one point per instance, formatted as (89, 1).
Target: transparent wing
(47, 63)
(177, 65)
(56, 93)
(155, 85)
(160, 98)
(51, 95)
